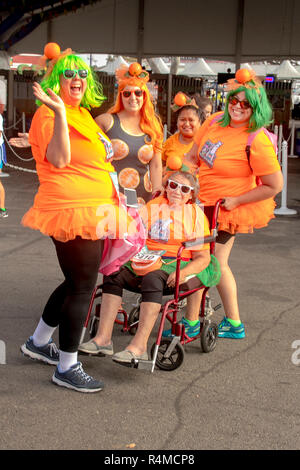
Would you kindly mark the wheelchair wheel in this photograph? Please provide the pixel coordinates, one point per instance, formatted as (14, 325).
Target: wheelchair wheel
(133, 317)
(209, 336)
(173, 361)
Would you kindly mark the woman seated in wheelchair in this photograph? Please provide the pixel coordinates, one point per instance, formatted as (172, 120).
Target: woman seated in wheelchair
(170, 219)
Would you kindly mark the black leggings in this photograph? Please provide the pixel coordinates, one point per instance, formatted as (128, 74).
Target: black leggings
(151, 286)
(67, 306)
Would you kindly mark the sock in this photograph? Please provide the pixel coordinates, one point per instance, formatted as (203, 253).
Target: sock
(42, 334)
(192, 322)
(234, 323)
(66, 360)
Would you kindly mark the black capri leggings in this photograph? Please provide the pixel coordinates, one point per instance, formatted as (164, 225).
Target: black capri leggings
(67, 306)
(151, 286)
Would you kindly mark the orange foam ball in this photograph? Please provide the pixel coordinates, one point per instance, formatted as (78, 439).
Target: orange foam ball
(243, 75)
(180, 99)
(135, 68)
(174, 162)
(51, 50)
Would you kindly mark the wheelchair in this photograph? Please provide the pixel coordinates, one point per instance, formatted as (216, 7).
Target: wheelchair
(167, 353)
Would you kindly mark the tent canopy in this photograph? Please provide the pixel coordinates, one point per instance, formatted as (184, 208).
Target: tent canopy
(199, 69)
(235, 30)
(113, 65)
(286, 71)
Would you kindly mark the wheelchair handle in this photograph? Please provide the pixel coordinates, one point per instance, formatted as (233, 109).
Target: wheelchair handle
(199, 241)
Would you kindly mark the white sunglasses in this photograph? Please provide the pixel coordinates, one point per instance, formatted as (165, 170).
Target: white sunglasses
(184, 188)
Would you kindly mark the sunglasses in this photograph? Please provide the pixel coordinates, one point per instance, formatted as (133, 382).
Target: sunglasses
(127, 93)
(244, 104)
(184, 188)
(68, 73)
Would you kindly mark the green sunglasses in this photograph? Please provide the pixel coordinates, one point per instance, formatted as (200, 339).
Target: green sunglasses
(82, 73)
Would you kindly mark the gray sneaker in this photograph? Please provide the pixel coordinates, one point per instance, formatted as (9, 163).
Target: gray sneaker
(48, 353)
(76, 379)
(91, 347)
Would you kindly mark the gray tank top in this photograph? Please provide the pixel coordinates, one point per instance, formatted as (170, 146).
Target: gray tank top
(131, 160)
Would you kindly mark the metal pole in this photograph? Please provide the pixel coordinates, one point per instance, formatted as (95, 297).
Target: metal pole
(23, 123)
(165, 134)
(293, 140)
(284, 210)
(169, 99)
(279, 143)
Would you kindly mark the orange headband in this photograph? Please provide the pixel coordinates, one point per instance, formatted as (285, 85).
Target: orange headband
(51, 55)
(133, 75)
(181, 100)
(243, 77)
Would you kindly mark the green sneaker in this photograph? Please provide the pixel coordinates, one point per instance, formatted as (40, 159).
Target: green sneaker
(190, 331)
(226, 330)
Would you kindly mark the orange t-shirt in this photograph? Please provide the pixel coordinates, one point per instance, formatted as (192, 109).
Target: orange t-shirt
(173, 147)
(168, 228)
(224, 167)
(85, 181)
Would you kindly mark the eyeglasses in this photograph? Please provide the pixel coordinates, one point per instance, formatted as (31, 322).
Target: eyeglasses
(244, 104)
(82, 73)
(184, 188)
(138, 93)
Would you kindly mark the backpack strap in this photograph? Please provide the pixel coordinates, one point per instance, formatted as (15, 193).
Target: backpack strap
(216, 118)
(251, 137)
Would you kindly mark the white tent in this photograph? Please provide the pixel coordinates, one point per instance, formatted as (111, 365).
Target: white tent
(113, 65)
(157, 65)
(286, 71)
(199, 69)
(4, 60)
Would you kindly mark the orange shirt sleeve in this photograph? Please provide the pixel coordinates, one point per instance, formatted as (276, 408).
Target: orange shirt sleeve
(41, 131)
(207, 123)
(263, 159)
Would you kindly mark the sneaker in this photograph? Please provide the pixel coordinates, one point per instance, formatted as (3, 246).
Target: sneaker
(226, 330)
(91, 347)
(76, 379)
(3, 213)
(3, 175)
(126, 357)
(48, 353)
(190, 331)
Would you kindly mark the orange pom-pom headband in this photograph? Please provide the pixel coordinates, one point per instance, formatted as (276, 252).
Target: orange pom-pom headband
(181, 100)
(51, 55)
(243, 77)
(132, 75)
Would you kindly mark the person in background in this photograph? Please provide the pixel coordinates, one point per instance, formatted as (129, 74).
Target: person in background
(179, 144)
(3, 211)
(77, 186)
(204, 104)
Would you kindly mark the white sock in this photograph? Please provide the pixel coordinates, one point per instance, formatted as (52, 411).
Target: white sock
(42, 334)
(66, 360)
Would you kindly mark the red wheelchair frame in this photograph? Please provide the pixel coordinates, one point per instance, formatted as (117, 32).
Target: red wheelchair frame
(168, 353)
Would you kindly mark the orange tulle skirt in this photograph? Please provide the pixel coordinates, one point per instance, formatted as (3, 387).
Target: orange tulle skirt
(247, 217)
(90, 223)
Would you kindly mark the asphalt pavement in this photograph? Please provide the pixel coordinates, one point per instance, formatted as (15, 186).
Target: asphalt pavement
(243, 395)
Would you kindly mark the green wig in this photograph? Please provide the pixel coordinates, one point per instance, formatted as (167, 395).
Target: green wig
(261, 109)
(93, 96)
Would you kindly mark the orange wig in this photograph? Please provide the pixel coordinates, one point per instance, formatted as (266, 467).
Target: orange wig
(150, 122)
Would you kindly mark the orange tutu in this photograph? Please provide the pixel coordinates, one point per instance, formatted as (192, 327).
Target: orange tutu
(247, 217)
(90, 223)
